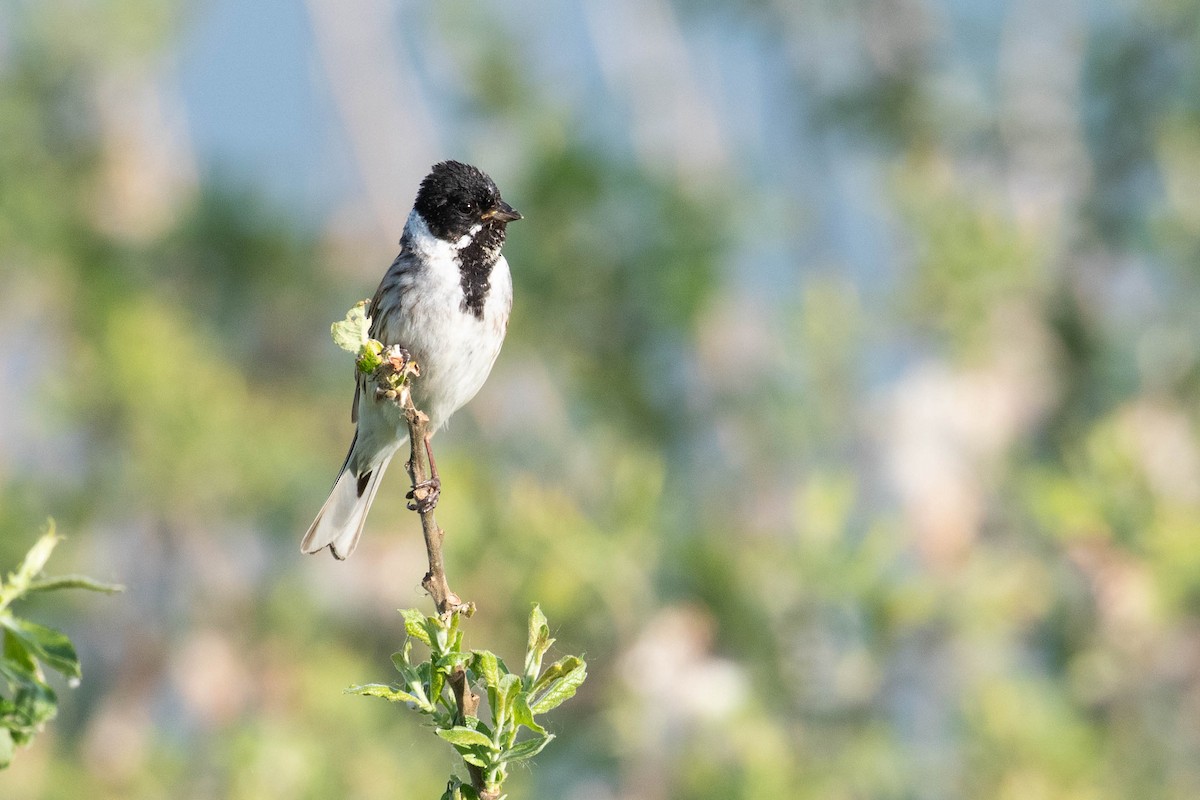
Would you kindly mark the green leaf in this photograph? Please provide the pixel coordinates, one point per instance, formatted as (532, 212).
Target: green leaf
(487, 667)
(526, 749)
(476, 724)
(18, 657)
(74, 582)
(383, 690)
(414, 625)
(51, 646)
(17, 675)
(539, 643)
(33, 704)
(392, 693)
(437, 684)
(523, 715)
(475, 757)
(354, 330)
(465, 737)
(403, 663)
(539, 629)
(39, 554)
(454, 789)
(510, 687)
(556, 671)
(369, 356)
(439, 635)
(448, 662)
(568, 673)
(501, 699)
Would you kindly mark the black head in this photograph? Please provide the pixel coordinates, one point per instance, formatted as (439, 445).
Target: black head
(456, 197)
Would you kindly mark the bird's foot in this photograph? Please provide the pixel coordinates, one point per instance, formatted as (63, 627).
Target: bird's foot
(425, 496)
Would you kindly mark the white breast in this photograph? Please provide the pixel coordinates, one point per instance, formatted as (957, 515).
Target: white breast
(455, 348)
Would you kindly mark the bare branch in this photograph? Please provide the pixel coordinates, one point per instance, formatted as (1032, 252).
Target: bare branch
(423, 491)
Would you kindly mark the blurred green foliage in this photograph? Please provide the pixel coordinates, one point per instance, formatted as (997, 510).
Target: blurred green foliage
(29, 702)
(862, 464)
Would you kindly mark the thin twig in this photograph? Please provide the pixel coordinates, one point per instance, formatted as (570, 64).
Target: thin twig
(435, 581)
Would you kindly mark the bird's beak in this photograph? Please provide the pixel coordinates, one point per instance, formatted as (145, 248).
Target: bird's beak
(501, 213)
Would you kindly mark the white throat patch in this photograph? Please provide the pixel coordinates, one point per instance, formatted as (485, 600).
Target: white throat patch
(466, 238)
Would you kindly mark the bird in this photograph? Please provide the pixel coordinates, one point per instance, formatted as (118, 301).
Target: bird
(446, 300)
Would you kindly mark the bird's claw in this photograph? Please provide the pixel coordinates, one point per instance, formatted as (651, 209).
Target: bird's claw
(429, 492)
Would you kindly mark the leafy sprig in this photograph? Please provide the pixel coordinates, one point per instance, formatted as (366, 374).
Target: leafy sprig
(440, 687)
(28, 701)
(388, 367)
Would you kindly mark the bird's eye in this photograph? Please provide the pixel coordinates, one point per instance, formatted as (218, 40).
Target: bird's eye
(466, 206)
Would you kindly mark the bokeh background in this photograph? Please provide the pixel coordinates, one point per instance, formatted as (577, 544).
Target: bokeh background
(847, 422)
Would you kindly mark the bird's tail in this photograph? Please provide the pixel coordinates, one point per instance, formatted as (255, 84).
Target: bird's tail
(340, 521)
